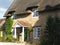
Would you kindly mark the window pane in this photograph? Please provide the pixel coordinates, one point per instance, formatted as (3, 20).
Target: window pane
(35, 13)
(39, 32)
(36, 32)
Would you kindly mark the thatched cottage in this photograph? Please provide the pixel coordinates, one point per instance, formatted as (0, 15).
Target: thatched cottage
(33, 14)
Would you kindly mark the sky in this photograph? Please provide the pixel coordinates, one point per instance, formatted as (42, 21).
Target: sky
(4, 5)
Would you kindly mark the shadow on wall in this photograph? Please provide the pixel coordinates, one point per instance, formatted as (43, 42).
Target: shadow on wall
(48, 11)
(43, 16)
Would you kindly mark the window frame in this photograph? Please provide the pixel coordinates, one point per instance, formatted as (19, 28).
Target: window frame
(35, 13)
(35, 32)
(14, 17)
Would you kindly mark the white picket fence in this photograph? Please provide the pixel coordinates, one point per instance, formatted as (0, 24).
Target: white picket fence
(8, 43)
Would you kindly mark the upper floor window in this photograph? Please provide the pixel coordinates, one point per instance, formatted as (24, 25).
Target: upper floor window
(36, 32)
(14, 17)
(35, 13)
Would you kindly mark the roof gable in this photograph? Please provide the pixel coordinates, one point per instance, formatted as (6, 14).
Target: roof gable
(17, 25)
(20, 24)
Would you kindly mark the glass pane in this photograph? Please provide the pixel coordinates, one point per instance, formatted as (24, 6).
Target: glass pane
(35, 13)
(39, 32)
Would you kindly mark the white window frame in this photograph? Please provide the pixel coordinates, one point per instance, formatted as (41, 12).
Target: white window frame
(35, 32)
(13, 16)
(35, 13)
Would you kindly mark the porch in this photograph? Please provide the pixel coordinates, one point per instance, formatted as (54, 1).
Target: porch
(18, 31)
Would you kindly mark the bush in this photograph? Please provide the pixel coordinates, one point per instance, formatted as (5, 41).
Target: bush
(52, 32)
(1, 39)
(9, 38)
(8, 28)
(25, 34)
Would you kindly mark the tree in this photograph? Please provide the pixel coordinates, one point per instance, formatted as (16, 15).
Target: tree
(52, 32)
(8, 28)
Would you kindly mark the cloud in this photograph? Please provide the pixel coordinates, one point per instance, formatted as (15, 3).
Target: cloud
(4, 6)
(2, 10)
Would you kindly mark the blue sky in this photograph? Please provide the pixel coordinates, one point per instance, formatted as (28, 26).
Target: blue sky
(4, 4)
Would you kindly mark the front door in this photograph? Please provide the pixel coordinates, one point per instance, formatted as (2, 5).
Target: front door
(19, 33)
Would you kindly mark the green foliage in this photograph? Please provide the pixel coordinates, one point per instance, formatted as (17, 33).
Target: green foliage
(9, 38)
(29, 29)
(8, 28)
(8, 25)
(52, 32)
(26, 32)
(0, 30)
(31, 42)
(1, 39)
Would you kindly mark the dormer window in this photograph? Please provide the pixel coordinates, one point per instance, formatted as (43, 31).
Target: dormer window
(14, 16)
(34, 10)
(35, 13)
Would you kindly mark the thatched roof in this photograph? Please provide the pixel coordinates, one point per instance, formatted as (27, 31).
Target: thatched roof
(20, 6)
(46, 3)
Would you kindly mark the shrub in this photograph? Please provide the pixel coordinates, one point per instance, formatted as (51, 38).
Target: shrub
(52, 32)
(8, 28)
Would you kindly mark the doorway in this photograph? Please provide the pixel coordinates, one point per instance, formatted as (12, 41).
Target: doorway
(19, 33)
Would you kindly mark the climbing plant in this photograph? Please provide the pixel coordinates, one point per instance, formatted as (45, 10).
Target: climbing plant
(8, 28)
(27, 30)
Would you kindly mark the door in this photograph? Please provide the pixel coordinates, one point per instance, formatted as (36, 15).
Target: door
(19, 33)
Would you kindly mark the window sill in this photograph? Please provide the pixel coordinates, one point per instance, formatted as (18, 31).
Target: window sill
(35, 17)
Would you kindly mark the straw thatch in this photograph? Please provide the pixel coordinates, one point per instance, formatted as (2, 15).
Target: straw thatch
(20, 6)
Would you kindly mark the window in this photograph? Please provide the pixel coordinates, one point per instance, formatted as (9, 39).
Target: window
(36, 32)
(35, 13)
(14, 17)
